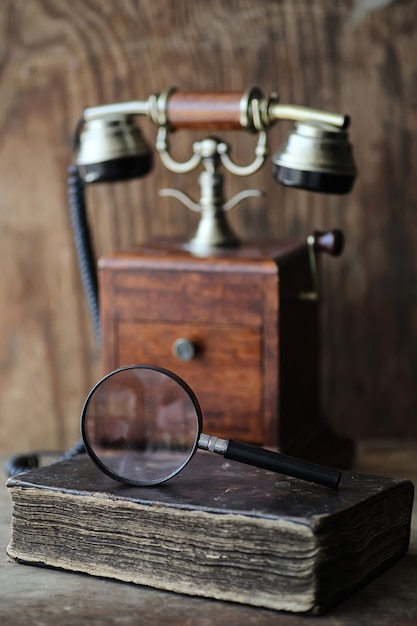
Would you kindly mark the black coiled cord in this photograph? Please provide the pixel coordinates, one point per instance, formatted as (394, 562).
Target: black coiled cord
(84, 246)
(87, 266)
(25, 462)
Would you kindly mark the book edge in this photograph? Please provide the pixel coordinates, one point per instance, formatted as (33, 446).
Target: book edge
(302, 603)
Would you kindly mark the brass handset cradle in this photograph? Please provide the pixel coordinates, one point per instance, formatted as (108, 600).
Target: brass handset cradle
(213, 228)
(317, 155)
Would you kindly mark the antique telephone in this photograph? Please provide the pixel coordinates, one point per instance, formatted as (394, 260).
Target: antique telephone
(256, 352)
(238, 321)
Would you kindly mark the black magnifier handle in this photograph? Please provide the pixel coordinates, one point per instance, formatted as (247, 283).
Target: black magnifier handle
(272, 461)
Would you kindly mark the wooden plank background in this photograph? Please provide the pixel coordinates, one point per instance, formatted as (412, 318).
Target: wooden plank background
(57, 57)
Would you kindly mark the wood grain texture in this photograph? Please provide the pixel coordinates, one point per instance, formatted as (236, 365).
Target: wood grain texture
(57, 57)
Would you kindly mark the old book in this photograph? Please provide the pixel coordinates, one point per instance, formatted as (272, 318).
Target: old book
(219, 529)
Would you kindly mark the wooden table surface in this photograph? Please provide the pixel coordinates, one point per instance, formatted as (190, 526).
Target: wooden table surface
(38, 596)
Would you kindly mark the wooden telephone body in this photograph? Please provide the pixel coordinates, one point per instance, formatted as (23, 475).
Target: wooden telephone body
(250, 335)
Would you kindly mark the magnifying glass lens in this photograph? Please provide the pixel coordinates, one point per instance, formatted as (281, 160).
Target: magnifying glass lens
(141, 425)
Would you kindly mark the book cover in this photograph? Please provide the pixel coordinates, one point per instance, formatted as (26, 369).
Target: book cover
(219, 529)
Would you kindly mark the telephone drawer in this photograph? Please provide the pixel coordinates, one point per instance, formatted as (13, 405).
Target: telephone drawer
(221, 363)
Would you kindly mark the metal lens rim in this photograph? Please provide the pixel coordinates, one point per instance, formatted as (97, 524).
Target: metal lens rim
(96, 459)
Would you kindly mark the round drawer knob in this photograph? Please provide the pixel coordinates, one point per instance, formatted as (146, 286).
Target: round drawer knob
(183, 349)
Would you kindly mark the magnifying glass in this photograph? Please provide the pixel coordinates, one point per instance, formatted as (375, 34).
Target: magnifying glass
(142, 424)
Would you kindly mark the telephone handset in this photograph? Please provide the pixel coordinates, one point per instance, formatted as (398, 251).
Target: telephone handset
(109, 147)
